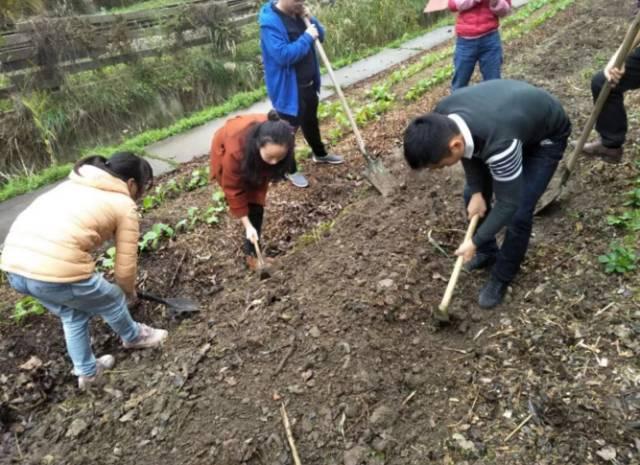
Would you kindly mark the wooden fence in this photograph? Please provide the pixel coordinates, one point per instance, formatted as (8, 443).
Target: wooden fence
(39, 52)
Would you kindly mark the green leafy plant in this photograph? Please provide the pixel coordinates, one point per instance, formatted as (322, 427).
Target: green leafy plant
(152, 238)
(108, 260)
(620, 259)
(191, 220)
(25, 307)
(218, 197)
(633, 198)
(381, 93)
(199, 178)
(629, 219)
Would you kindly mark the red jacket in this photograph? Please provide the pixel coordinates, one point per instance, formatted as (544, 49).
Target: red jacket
(225, 159)
(477, 17)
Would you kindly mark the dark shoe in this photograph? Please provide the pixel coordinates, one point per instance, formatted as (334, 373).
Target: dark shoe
(611, 155)
(480, 261)
(297, 179)
(492, 293)
(331, 159)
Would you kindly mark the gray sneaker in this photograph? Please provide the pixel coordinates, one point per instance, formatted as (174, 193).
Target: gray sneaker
(297, 179)
(330, 158)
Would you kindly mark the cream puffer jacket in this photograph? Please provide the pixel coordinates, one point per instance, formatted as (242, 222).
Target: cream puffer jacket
(52, 240)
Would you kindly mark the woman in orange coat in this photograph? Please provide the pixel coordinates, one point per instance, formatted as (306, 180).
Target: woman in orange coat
(246, 153)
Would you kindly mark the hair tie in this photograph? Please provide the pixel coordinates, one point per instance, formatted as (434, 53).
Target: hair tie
(106, 163)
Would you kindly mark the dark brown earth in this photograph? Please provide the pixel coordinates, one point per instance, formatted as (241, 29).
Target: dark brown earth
(342, 331)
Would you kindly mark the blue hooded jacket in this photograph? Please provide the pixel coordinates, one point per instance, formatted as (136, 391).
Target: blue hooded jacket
(279, 57)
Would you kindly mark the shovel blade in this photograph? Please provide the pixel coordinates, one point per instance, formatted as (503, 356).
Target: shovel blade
(379, 177)
(553, 192)
(182, 305)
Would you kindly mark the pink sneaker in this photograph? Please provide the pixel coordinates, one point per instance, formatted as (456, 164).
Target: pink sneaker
(149, 337)
(103, 363)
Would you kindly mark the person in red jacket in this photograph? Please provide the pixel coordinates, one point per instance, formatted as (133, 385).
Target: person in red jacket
(246, 153)
(478, 39)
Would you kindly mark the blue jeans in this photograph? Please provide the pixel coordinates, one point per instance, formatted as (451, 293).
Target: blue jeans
(486, 49)
(75, 304)
(538, 165)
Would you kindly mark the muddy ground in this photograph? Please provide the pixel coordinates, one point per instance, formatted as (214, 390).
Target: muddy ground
(342, 331)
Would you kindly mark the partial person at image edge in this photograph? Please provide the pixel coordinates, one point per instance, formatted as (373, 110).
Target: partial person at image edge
(48, 255)
(477, 39)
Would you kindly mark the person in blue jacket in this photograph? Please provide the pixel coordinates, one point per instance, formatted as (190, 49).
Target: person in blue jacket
(292, 73)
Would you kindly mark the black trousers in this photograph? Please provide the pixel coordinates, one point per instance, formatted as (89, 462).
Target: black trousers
(612, 122)
(307, 120)
(256, 214)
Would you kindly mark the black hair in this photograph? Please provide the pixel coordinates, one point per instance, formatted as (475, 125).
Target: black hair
(426, 139)
(122, 165)
(274, 131)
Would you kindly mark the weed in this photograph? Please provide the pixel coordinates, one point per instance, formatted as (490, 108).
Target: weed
(26, 307)
(189, 222)
(620, 259)
(316, 233)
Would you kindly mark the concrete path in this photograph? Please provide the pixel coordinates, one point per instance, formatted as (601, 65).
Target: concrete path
(195, 142)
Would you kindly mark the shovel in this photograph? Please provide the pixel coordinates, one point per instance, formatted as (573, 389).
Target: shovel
(562, 176)
(175, 306)
(375, 172)
(262, 270)
(442, 314)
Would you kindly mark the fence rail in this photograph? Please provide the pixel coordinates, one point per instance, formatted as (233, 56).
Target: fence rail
(37, 53)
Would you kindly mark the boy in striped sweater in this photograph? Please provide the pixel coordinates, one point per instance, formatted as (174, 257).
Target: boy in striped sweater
(510, 137)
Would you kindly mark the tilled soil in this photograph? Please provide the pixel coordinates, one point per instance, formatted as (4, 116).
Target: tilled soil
(342, 331)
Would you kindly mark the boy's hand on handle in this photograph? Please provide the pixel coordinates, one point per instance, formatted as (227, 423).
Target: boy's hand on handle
(252, 234)
(477, 206)
(466, 250)
(312, 30)
(613, 75)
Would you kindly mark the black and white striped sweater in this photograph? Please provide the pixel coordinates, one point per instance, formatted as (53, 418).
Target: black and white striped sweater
(501, 120)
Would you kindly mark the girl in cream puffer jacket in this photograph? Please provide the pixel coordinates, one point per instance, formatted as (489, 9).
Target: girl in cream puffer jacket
(48, 254)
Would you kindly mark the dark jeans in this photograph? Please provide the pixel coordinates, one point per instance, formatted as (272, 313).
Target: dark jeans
(612, 122)
(307, 120)
(486, 49)
(256, 214)
(539, 164)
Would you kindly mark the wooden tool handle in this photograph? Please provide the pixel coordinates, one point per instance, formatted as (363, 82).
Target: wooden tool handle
(458, 267)
(632, 32)
(345, 104)
(258, 253)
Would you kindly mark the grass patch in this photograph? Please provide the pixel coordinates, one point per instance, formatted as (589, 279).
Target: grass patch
(316, 234)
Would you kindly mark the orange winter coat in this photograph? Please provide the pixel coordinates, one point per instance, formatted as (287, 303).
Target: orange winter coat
(52, 240)
(227, 153)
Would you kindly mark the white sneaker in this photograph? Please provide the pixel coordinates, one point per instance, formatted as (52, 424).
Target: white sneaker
(106, 362)
(149, 337)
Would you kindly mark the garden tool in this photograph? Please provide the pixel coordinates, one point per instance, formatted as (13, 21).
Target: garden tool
(562, 176)
(175, 306)
(262, 270)
(375, 172)
(442, 313)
